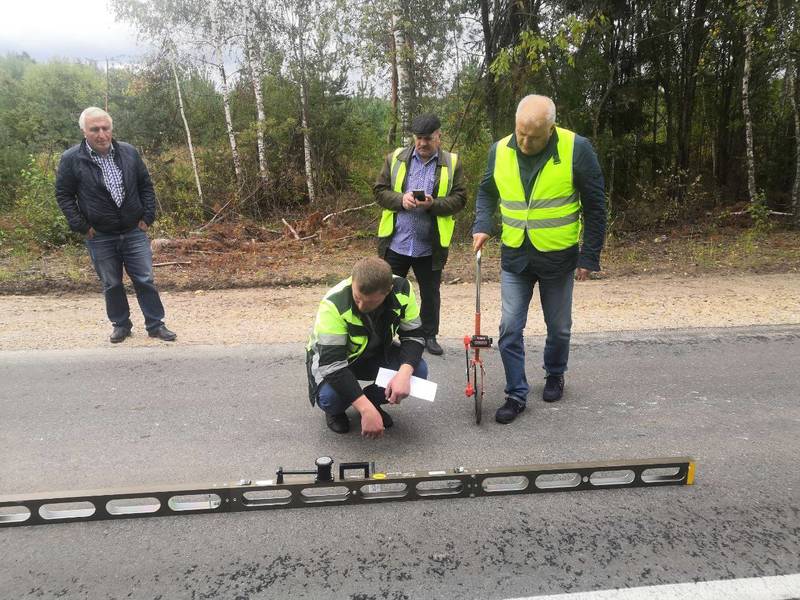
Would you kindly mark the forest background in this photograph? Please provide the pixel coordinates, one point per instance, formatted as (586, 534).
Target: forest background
(264, 125)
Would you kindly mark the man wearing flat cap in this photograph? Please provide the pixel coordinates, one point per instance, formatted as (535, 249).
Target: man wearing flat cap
(420, 188)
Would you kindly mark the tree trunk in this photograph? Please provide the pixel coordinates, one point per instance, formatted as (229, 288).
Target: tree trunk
(748, 121)
(691, 46)
(255, 73)
(654, 162)
(405, 86)
(237, 163)
(392, 137)
(728, 81)
(304, 123)
(796, 186)
(188, 134)
(490, 86)
(786, 35)
(615, 47)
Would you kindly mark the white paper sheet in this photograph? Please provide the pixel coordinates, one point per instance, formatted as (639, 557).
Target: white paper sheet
(420, 388)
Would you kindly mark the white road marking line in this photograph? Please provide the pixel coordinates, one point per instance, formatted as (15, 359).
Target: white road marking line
(780, 587)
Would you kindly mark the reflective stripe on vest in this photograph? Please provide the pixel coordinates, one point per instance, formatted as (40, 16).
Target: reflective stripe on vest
(445, 224)
(332, 328)
(551, 215)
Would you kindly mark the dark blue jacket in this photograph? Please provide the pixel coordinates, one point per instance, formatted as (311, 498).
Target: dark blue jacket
(85, 201)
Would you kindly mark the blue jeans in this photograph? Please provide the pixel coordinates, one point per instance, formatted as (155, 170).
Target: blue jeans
(516, 291)
(109, 253)
(333, 404)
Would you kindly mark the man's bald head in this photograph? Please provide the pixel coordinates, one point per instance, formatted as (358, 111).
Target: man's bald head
(536, 117)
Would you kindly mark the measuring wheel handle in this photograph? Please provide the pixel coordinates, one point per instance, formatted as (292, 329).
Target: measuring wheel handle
(480, 341)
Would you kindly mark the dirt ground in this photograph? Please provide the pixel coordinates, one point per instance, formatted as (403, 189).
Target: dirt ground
(238, 283)
(285, 314)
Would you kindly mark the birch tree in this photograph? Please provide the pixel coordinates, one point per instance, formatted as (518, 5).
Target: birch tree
(303, 83)
(796, 186)
(387, 44)
(297, 16)
(226, 104)
(410, 42)
(748, 120)
(197, 25)
(218, 38)
(793, 93)
(394, 86)
(253, 53)
(789, 42)
(149, 20)
(188, 132)
(403, 61)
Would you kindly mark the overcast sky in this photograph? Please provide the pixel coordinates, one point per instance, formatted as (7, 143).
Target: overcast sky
(72, 29)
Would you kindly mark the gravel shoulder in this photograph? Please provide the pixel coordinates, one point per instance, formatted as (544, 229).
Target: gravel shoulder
(285, 314)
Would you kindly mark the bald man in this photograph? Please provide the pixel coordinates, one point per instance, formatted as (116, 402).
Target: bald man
(549, 186)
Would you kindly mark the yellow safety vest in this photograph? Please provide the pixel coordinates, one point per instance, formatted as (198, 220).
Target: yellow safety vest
(446, 223)
(551, 215)
(338, 327)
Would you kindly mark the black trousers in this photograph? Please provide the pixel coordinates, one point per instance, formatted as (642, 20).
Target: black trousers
(429, 283)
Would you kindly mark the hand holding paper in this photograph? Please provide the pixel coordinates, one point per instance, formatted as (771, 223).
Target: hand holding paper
(399, 386)
(420, 388)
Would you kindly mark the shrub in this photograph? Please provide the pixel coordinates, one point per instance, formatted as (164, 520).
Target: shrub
(35, 218)
(759, 212)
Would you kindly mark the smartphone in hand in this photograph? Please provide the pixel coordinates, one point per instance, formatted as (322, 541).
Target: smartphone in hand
(419, 195)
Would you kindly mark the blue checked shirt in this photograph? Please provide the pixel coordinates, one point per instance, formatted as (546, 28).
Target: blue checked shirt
(414, 228)
(112, 175)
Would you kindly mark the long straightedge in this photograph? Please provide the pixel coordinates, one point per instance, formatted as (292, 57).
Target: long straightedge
(357, 483)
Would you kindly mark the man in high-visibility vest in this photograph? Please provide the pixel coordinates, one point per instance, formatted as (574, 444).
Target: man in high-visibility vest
(353, 337)
(420, 189)
(549, 186)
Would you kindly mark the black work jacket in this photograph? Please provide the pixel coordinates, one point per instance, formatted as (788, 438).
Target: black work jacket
(86, 202)
(449, 205)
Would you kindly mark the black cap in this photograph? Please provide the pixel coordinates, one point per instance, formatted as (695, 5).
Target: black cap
(425, 124)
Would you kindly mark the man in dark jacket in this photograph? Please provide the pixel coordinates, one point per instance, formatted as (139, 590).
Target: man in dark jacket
(104, 190)
(420, 189)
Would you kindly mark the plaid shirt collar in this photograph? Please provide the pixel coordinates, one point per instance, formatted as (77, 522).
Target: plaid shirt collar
(434, 156)
(112, 174)
(94, 154)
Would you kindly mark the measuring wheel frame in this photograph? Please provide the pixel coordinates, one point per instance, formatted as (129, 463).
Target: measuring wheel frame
(474, 365)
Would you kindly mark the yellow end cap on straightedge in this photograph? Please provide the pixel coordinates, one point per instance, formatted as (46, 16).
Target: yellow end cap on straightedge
(379, 475)
(690, 474)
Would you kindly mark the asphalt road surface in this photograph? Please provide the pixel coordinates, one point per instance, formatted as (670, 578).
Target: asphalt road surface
(73, 420)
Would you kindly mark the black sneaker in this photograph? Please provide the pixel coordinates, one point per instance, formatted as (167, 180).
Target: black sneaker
(338, 423)
(509, 411)
(553, 388)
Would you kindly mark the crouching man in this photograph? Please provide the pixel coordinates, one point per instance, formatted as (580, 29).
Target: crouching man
(354, 335)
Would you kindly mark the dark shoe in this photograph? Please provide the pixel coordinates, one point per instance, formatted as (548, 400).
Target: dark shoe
(338, 423)
(376, 395)
(161, 332)
(433, 346)
(553, 388)
(509, 411)
(119, 334)
(386, 417)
